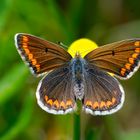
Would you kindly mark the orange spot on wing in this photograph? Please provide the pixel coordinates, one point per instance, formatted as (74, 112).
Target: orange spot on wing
(34, 62)
(26, 51)
(62, 104)
(122, 73)
(137, 43)
(69, 103)
(50, 101)
(88, 103)
(25, 46)
(24, 43)
(38, 67)
(102, 104)
(135, 55)
(113, 100)
(56, 104)
(123, 70)
(46, 98)
(25, 39)
(95, 105)
(128, 66)
(30, 56)
(131, 60)
(137, 50)
(109, 103)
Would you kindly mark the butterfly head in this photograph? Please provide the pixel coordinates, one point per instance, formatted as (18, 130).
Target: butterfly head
(77, 55)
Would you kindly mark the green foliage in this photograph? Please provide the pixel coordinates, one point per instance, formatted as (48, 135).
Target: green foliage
(65, 21)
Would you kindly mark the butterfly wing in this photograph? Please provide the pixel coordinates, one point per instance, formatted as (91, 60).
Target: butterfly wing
(121, 58)
(41, 55)
(55, 92)
(103, 93)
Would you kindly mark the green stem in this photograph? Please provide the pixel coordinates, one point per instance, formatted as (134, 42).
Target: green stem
(76, 130)
(77, 122)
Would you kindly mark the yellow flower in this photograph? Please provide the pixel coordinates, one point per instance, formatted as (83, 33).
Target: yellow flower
(83, 46)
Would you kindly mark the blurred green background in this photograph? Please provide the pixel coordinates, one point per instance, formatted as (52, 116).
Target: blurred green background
(103, 21)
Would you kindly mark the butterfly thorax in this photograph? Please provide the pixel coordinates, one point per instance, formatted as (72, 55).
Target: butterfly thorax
(78, 66)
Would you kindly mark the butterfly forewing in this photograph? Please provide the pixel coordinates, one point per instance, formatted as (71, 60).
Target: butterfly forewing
(121, 58)
(41, 55)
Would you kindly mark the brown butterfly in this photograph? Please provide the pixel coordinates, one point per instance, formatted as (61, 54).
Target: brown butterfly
(86, 79)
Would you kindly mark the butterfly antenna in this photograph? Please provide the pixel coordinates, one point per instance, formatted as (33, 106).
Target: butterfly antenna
(62, 45)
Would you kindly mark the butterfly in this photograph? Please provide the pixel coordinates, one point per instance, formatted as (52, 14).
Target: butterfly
(87, 79)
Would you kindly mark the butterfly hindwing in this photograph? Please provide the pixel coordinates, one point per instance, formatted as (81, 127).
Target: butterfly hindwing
(41, 55)
(55, 92)
(103, 93)
(121, 58)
